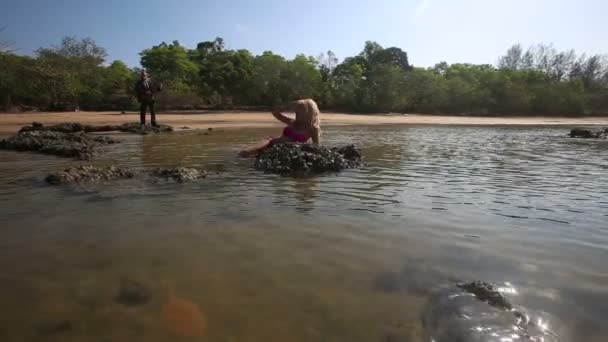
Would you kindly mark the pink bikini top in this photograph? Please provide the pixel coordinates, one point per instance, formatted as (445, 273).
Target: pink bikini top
(294, 135)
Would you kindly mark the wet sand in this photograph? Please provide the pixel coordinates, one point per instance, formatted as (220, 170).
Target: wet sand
(10, 123)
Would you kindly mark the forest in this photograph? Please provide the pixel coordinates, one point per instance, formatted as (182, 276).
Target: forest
(539, 80)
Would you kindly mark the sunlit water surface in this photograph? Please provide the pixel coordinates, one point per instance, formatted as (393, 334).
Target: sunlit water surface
(346, 257)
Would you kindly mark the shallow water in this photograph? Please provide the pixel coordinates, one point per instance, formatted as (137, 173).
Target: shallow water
(347, 257)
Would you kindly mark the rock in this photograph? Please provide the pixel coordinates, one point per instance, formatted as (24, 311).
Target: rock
(89, 173)
(68, 127)
(135, 127)
(179, 174)
(93, 174)
(454, 314)
(488, 293)
(74, 127)
(132, 293)
(305, 159)
(589, 134)
(78, 145)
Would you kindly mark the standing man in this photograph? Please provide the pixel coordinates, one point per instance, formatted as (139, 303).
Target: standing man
(146, 90)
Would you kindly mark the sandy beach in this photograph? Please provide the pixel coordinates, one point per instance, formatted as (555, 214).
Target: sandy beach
(11, 122)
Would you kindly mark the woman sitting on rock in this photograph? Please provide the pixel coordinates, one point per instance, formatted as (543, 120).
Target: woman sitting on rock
(304, 127)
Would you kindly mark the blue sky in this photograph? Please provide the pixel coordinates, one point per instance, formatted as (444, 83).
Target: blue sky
(474, 31)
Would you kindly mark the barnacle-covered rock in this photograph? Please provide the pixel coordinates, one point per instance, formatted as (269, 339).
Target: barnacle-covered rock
(296, 159)
(89, 173)
(78, 145)
(75, 127)
(179, 174)
(93, 174)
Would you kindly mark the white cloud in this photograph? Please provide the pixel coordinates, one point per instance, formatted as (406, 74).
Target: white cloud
(422, 6)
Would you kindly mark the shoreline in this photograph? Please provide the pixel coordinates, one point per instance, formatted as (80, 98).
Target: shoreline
(11, 122)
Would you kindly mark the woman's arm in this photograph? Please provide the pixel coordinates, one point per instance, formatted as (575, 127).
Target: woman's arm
(316, 136)
(282, 117)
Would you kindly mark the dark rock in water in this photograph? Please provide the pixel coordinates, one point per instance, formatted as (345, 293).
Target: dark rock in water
(132, 293)
(93, 174)
(179, 174)
(66, 127)
(589, 134)
(54, 328)
(304, 159)
(88, 173)
(74, 127)
(488, 293)
(78, 145)
(460, 314)
(137, 128)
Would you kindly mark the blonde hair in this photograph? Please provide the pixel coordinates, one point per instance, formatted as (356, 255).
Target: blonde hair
(307, 115)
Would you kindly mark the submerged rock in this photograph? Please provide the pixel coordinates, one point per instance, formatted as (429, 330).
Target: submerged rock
(294, 159)
(93, 174)
(137, 128)
(75, 127)
(589, 134)
(487, 292)
(479, 312)
(179, 174)
(89, 173)
(78, 145)
(132, 293)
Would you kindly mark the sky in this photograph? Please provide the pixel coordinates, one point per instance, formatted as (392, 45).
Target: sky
(430, 31)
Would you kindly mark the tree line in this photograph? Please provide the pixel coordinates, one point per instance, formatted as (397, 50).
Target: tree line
(537, 81)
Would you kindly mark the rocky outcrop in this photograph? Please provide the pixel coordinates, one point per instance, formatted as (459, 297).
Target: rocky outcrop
(589, 134)
(93, 174)
(179, 174)
(75, 145)
(75, 127)
(89, 173)
(305, 159)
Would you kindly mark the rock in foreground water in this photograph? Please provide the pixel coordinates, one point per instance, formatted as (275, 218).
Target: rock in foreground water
(589, 134)
(93, 174)
(304, 159)
(77, 145)
(472, 312)
(75, 127)
(487, 292)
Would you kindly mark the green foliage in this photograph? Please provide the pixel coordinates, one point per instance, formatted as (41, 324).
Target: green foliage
(537, 81)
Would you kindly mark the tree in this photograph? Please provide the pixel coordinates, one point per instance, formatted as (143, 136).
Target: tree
(117, 86)
(71, 73)
(513, 60)
(301, 79)
(5, 46)
(326, 63)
